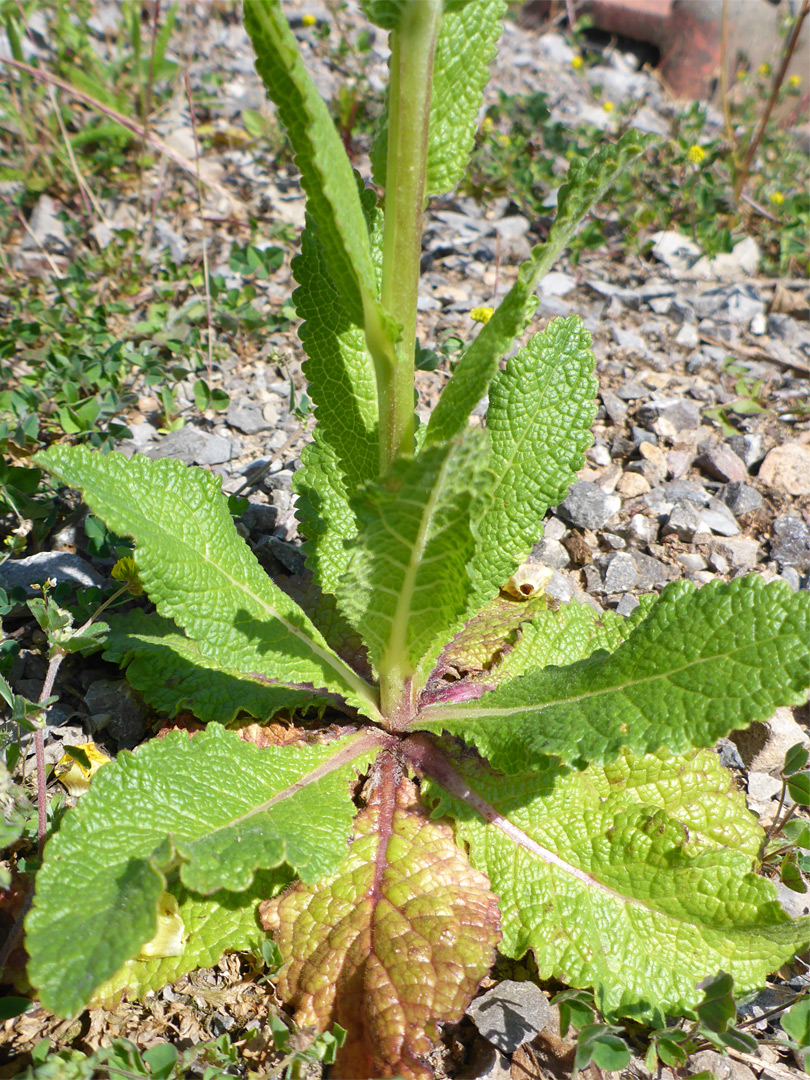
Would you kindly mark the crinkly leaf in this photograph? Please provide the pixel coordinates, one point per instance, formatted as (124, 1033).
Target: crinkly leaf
(326, 174)
(177, 803)
(540, 413)
(325, 514)
(634, 879)
(394, 943)
(587, 183)
(342, 381)
(465, 48)
(223, 921)
(700, 665)
(408, 582)
(174, 674)
(199, 572)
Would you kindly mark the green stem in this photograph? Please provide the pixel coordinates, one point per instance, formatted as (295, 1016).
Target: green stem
(412, 48)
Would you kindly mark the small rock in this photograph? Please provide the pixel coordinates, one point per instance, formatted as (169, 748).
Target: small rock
(627, 605)
(632, 391)
(797, 905)
(720, 1066)
(194, 447)
(487, 1063)
(555, 48)
(554, 529)
(632, 484)
(511, 1014)
(651, 571)
(687, 491)
(763, 790)
(247, 416)
(588, 506)
(747, 447)
(741, 498)
(742, 553)
(61, 565)
(680, 414)
(614, 406)
(653, 464)
(686, 522)
(559, 588)
(721, 463)
(260, 519)
(691, 561)
(629, 340)
(763, 746)
(720, 519)
(620, 574)
(641, 528)
(116, 708)
(675, 250)
(787, 468)
(679, 462)
(790, 544)
(688, 336)
(551, 553)
(729, 755)
(557, 284)
(759, 325)
(46, 229)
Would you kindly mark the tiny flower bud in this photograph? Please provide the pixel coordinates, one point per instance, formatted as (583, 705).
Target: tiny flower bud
(481, 314)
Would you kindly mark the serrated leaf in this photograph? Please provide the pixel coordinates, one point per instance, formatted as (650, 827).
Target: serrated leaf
(700, 665)
(199, 572)
(587, 183)
(634, 879)
(342, 380)
(540, 413)
(175, 803)
(224, 921)
(394, 943)
(326, 174)
(408, 583)
(465, 47)
(324, 513)
(174, 674)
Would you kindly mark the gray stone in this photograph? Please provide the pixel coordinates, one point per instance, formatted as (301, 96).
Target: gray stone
(620, 573)
(619, 86)
(511, 1014)
(682, 414)
(787, 468)
(167, 238)
(685, 491)
(688, 336)
(614, 406)
(729, 755)
(116, 708)
(629, 340)
(790, 543)
(554, 529)
(741, 498)
(720, 519)
(555, 48)
(747, 447)
(675, 250)
(791, 576)
(651, 571)
(721, 463)
(627, 605)
(260, 519)
(720, 1066)
(741, 553)
(247, 416)
(61, 565)
(632, 391)
(691, 561)
(686, 522)
(551, 553)
(588, 506)
(557, 284)
(46, 229)
(797, 905)
(763, 790)
(487, 1063)
(559, 588)
(194, 447)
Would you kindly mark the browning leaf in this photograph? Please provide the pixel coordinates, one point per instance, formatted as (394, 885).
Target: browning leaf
(394, 943)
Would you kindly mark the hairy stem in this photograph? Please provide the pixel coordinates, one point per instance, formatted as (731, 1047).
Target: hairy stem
(412, 48)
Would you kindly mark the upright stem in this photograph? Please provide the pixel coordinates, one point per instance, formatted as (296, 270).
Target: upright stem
(412, 47)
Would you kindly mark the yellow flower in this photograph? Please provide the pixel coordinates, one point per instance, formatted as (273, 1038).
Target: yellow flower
(481, 314)
(308, 20)
(487, 124)
(577, 62)
(74, 774)
(794, 82)
(126, 571)
(764, 70)
(777, 198)
(696, 154)
(608, 106)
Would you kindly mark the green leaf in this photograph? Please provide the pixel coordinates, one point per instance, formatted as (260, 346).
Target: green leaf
(213, 924)
(324, 513)
(326, 173)
(799, 788)
(796, 1022)
(175, 804)
(200, 573)
(796, 758)
(465, 48)
(797, 832)
(633, 879)
(174, 674)
(408, 580)
(587, 183)
(540, 413)
(700, 665)
(342, 380)
(717, 1009)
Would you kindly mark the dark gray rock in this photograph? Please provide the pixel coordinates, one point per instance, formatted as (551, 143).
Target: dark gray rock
(260, 519)
(729, 754)
(588, 506)
(790, 543)
(194, 447)
(511, 1014)
(686, 522)
(747, 447)
(632, 391)
(720, 519)
(551, 553)
(741, 498)
(721, 463)
(627, 605)
(614, 406)
(116, 708)
(620, 574)
(247, 416)
(684, 491)
(61, 565)
(651, 571)
(682, 414)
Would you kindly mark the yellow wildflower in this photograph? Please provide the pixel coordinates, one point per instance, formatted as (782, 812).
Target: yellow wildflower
(126, 571)
(794, 82)
(777, 198)
(487, 124)
(74, 774)
(577, 62)
(608, 106)
(308, 20)
(481, 314)
(696, 154)
(764, 70)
